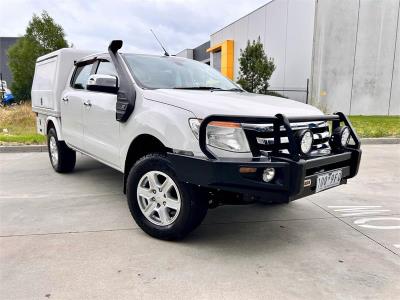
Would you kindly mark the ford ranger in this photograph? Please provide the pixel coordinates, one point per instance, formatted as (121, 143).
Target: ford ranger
(185, 137)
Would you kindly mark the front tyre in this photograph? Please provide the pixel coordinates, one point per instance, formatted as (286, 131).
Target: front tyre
(62, 157)
(161, 205)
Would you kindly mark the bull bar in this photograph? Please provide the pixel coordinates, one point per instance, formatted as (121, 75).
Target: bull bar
(293, 169)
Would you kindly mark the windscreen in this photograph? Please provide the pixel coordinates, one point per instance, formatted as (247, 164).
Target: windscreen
(157, 72)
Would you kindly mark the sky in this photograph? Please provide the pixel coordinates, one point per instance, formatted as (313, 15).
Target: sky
(92, 24)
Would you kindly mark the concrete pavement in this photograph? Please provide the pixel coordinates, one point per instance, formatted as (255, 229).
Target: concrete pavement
(72, 237)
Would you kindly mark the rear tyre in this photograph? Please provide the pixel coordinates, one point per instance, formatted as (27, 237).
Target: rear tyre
(161, 205)
(62, 157)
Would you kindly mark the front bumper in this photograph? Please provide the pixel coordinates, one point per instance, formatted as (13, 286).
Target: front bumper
(296, 175)
(288, 184)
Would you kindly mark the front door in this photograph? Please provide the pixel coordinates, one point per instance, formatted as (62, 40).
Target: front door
(101, 129)
(72, 106)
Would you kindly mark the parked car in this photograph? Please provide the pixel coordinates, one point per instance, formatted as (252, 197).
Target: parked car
(185, 137)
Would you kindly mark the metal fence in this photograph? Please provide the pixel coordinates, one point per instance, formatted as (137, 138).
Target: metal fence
(306, 90)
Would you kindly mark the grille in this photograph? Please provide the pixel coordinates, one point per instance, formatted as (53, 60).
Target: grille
(264, 135)
(268, 134)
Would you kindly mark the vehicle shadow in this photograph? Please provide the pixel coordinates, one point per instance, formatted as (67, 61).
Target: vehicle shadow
(243, 238)
(85, 164)
(231, 229)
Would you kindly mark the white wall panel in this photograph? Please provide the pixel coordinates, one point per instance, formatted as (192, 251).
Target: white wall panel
(376, 40)
(355, 69)
(275, 39)
(257, 21)
(394, 108)
(216, 38)
(240, 37)
(333, 58)
(271, 23)
(299, 41)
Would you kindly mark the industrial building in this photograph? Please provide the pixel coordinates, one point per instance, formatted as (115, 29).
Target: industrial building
(337, 55)
(5, 44)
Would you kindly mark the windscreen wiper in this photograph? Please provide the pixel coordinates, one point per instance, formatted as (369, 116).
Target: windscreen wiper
(234, 90)
(207, 88)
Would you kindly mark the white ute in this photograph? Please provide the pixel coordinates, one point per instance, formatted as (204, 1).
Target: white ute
(185, 137)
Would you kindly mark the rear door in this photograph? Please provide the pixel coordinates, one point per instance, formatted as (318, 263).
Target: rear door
(72, 105)
(101, 129)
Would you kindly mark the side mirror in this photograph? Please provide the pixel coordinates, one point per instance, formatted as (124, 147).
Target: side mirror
(102, 83)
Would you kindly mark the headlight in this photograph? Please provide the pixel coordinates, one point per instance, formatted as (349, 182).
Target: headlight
(227, 136)
(340, 137)
(305, 140)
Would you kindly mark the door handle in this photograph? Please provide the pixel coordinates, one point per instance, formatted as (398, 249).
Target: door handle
(87, 103)
(65, 99)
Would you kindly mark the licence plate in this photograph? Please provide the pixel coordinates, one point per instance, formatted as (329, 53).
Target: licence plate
(328, 180)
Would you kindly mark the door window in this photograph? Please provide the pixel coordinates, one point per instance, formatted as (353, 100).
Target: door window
(81, 76)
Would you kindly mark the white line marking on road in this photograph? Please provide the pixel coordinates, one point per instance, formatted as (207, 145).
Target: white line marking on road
(355, 206)
(359, 210)
(362, 223)
(370, 212)
(350, 211)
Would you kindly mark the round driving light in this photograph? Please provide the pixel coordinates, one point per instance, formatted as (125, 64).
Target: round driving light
(345, 136)
(268, 174)
(340, 137)
(306, 141)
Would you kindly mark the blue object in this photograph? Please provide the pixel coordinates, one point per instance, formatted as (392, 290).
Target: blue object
(8, 97)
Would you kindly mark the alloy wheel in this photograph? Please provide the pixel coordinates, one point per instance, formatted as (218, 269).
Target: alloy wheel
(53, 150)
(159, 198)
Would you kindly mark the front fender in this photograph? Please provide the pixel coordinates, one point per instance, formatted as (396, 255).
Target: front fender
(169, 124)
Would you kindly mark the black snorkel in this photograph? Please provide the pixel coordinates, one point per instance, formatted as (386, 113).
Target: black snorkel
(126, 95)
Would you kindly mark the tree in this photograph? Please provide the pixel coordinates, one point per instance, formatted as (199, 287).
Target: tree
(42, 36)
(255, 68)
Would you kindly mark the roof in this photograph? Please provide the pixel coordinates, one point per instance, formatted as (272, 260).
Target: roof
(63, 50)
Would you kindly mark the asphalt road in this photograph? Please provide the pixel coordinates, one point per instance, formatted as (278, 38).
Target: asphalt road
(72, 237)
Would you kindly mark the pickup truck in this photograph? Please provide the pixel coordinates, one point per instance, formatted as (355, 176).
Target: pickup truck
(185, 137)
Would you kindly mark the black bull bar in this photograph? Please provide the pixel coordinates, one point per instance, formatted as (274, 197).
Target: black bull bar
(293, 169)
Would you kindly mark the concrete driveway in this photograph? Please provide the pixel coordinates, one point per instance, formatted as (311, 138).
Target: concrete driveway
(72, 237)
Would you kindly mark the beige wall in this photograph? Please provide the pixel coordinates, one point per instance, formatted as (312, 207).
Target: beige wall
(356, 57)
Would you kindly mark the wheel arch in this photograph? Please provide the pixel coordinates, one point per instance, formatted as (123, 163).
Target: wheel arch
(53, 122)
(140, 146)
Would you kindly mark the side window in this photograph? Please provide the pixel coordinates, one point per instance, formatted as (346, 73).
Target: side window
(81, 76)
(106, 68)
